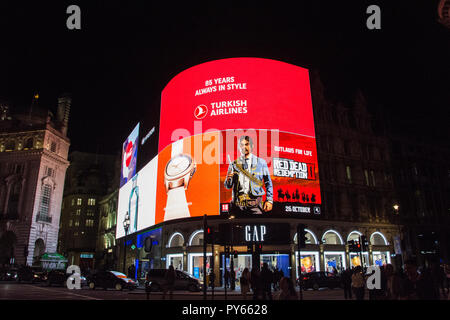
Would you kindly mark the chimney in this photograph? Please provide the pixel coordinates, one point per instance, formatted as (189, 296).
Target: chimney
(62, 116)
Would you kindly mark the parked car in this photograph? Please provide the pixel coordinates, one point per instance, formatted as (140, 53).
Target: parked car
(321, 279)
(183, 281)
(110, 279)
(39, 275)
(59, 277)
(8, 274)
(25, 273)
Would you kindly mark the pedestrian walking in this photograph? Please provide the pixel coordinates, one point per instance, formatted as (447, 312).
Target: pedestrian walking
(287, 290)
(358, 283)
(346, 280)
(409, 281)
(169, 282)
(226, 277)
(232, 279)
(267, 279)
(426, 286)
(244, 282)
(393, 283)
(256, 283)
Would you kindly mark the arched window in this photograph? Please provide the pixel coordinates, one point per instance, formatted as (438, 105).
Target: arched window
(378, 239)
(196, 238)
(354, 235)
(10, 145)
(28, 144)
(39, 250)
(310, 237)
(332, 237)
(176, 240)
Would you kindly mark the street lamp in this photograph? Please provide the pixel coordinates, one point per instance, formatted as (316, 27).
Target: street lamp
(396, 208)
(126, 226)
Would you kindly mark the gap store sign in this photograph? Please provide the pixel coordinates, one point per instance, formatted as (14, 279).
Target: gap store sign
(248, 233)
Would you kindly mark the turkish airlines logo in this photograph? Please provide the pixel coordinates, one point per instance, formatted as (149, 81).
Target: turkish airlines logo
(201, 111)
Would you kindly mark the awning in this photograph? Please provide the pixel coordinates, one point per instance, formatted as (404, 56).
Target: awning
(51, 261)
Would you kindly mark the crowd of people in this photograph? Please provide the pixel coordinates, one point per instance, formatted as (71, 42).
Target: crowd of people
(410, 283)
(260, 283)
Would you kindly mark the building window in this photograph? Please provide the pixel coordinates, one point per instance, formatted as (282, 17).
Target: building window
(73, 202)
(28, 144)
(349, 174)
(89, 222)
(75, 234)
(91, 202)
(372, 174)
(10, 145)
(90, 213)
(79, 201)
(366, 175)
(13, 201)
(78, 212)
(45, 200)
(77, 223)
(70, 222)
(53, 146)
(49, 172)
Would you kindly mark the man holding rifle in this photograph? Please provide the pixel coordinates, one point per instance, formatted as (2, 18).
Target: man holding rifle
(247, 176)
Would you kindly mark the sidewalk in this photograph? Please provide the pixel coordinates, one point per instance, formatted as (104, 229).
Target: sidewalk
(217, 290)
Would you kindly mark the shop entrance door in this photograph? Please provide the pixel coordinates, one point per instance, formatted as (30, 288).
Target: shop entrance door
(240, 263)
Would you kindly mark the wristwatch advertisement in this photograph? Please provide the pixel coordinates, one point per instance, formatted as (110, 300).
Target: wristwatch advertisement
(177, 174)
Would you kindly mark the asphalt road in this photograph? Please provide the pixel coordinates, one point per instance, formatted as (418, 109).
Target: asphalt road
(28, 291)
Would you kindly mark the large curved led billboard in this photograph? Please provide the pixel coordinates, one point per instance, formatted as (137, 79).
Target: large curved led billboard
(237, 93)
(236, 137)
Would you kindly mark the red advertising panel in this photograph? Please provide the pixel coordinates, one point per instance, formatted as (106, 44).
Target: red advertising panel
(236, 93)
(269, 172)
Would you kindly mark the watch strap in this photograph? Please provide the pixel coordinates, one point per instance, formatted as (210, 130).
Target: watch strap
(176, 205)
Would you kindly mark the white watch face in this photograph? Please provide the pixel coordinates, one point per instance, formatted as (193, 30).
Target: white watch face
(178, 165)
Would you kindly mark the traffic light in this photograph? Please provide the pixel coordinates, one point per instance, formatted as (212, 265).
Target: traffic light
(227, 251)
(249, 248)
(209, 235)
(351, 245)
(258, 247)
(364, 243)
(235, 253)
(301, 235)
(357, 246)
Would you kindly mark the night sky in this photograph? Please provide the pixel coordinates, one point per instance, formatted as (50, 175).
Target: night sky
(116, 66)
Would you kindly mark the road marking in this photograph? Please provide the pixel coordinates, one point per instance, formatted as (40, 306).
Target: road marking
(73, 294)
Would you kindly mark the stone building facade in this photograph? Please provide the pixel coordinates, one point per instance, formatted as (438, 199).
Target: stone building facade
(33, 161)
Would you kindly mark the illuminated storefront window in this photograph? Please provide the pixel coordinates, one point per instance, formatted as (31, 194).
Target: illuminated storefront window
(381, 258)
(310, 262)
(176, 260)
(277, 262)
(240, 263)
(355, 259)
(196, 264)
(334, 261)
